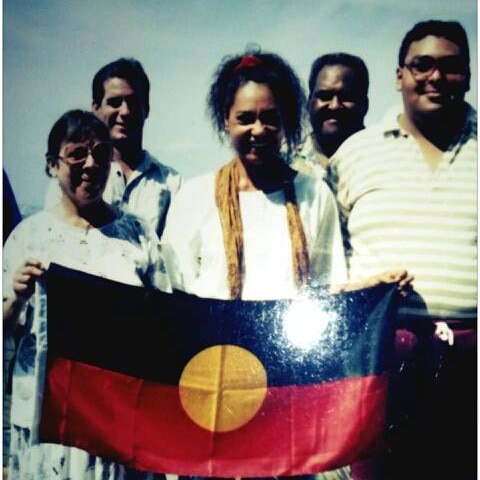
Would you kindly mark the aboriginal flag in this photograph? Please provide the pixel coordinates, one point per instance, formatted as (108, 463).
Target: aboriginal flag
(175, 383)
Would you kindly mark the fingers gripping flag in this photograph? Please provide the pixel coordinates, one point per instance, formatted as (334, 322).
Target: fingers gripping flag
(176, 383)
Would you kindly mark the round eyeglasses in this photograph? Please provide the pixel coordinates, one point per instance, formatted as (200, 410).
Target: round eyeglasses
(424, 66)
(101, 153)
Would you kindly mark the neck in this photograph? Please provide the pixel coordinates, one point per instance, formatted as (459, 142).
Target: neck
(94, 214)
(326, 146)
(128, 156)
(440, 128)
(268, 177)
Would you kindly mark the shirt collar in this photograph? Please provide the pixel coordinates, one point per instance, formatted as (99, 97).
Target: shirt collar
(391, 126)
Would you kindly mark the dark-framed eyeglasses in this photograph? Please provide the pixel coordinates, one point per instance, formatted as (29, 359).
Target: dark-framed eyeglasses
(424, 66)
(101, 153)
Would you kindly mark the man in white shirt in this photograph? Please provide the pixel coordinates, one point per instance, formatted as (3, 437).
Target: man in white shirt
(138, 182)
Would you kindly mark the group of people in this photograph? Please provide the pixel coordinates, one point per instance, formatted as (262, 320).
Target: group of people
(346, 206)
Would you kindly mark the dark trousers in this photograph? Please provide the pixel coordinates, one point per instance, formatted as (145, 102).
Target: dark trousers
(432, 418)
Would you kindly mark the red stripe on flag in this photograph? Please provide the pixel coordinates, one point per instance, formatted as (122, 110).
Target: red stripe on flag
(298, 430)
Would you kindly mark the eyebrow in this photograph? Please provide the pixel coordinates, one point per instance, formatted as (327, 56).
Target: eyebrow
(275, 109)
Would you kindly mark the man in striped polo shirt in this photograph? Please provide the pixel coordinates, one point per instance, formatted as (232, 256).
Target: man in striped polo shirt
(407, 195)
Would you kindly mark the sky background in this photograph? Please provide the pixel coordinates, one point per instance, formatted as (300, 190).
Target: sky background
(52, 49)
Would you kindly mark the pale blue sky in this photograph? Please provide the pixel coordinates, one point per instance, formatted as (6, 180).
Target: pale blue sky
(52, 48)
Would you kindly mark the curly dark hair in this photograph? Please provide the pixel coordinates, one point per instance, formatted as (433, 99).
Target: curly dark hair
(266, 68)
(74, 126)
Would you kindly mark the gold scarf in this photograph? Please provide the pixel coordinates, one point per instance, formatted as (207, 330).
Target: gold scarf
(228, 205)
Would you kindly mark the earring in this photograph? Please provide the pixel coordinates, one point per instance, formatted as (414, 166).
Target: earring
(52, 171)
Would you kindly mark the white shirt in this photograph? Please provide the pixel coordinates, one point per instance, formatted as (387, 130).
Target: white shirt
(195, 252)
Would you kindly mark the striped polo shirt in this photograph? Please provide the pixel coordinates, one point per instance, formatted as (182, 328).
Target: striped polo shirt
(397, 212)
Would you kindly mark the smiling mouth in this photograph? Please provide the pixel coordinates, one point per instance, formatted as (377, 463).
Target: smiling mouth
(120, 126)
(437, 96)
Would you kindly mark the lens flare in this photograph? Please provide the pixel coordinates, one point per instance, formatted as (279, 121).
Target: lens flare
(305, 322)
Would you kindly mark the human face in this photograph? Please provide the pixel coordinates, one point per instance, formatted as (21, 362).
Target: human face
(336, 106)
(123, 110)
(82, 170)
(443, 88)
(254, 124)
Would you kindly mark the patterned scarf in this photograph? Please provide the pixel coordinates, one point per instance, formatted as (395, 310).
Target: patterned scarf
(228, 205)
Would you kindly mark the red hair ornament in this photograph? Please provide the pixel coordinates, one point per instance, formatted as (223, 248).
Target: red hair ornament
(247, 61)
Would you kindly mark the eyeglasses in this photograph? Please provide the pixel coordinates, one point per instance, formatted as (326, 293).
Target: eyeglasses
(101, 153)
(422, 67)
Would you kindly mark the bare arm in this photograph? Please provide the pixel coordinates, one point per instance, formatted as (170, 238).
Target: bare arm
(402, 277)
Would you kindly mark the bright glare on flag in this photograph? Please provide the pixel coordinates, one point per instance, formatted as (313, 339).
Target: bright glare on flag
(216, 388)
(305, 322)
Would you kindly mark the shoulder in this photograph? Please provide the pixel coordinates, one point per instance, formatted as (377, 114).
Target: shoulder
(308, 186)
(361, 147)
(36, 226)
(200, 186)
(471, 121)
(129, 221)
(129, 227)
(194, 202)
(42, 218)
(164, 172)
(363, 138)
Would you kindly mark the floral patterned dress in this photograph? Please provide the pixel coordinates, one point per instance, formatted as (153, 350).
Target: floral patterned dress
(127, 251)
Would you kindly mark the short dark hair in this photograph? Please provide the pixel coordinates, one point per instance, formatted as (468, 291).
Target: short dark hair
(74, 126)
(128, 69)
(451, 30)
(260, 67)
(340, 58)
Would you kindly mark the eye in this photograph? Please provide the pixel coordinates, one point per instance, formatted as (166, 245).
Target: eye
(246, 118)
(348, 96)
(271, 118)
(114, 102)
(133, 101)
(324, 95)
(453, 64)
(78, 154)
(102, 152)
(423, 64)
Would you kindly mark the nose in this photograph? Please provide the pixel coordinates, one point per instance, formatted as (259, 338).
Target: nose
(436, 74)
(124, 109)
(334, 103)
(258, 129)
(89, 161)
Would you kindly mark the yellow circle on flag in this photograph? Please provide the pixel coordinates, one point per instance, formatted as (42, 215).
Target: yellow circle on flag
(223, 387)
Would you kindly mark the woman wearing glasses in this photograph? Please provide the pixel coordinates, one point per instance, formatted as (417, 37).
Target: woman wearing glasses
(81, 232)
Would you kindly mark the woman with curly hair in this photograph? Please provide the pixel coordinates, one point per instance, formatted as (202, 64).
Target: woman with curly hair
(255, 229)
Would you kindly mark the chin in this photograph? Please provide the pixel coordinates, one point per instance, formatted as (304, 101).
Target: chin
(432, 107)
(261, 160)
(330, 130)
(119, 137)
